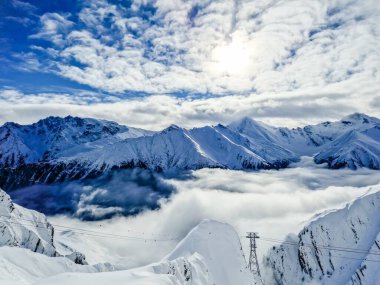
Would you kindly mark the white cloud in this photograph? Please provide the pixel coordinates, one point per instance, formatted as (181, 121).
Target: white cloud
(273, 203)
(25, 6)
(25, 21)
(285, 45)
(291, 62)
(305, 62)
(158, 111)
(54, 27)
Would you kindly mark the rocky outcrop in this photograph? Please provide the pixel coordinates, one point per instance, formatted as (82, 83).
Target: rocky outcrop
(337, 247)
(20, 227)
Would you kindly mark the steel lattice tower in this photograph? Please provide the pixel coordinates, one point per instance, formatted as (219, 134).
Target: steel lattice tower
(253, 263)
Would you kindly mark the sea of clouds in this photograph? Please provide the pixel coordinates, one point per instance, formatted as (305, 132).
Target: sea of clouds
(122, 192)
(273, 203)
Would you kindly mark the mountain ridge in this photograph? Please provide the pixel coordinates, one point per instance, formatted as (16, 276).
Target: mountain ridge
(340, 246)
(29, 229)
(59, 149)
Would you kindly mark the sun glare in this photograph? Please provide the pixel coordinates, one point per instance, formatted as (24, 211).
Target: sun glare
(232, 58)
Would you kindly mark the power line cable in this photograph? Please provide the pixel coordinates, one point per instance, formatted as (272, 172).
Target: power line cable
(73, 228)
(88, 232)
(338, 256)
(61, 228)
(344, 249)
(337, 248)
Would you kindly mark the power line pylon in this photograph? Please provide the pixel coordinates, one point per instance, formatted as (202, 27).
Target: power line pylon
(253, 263)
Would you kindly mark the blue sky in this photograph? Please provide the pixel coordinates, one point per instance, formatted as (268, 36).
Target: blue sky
(152, 63)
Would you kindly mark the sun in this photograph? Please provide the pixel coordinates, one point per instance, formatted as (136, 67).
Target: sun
(232, 58)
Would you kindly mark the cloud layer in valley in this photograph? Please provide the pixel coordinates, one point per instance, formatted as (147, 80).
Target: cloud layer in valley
(122, 192)
(273, 203)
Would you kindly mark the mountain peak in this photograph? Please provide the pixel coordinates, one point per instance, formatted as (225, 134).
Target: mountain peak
(10, 125)
(358, 118)
(52, 120)
(171, 128)
(245, 121)
(206, 239)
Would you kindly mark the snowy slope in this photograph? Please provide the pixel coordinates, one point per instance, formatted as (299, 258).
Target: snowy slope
(302, 141)
(62, 149)
(19, 266)
(309, 139)
(181, 149)
(351, 142)
(353, 149)
(166, 273)
(18, 228)
(24, 228)
(220, 247)
(337, 247)
(210, 254)
(55, 137)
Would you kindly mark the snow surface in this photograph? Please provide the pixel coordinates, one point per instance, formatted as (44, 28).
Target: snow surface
(178, 148)
(19, 266)
(337, 247)
(210, 254)
(58, 137)
(353, 149)
(220, 247)
(21, 227)
(24, 228)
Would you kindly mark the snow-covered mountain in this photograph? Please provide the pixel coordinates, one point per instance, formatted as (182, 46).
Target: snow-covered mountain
(24, 228)
(210, 254)
(61, 149)
(337, 247)
(310, 139)
(353, 149)
(56, 137)
(20, 266)
(21, 227)
(181, 149)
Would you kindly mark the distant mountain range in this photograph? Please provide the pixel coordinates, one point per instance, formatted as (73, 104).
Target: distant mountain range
(62, 149)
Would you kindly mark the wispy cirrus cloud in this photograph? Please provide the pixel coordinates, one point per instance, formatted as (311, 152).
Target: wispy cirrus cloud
(25, 21)
(24, 5)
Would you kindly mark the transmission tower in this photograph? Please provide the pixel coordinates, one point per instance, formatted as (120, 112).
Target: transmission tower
(253, 263)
